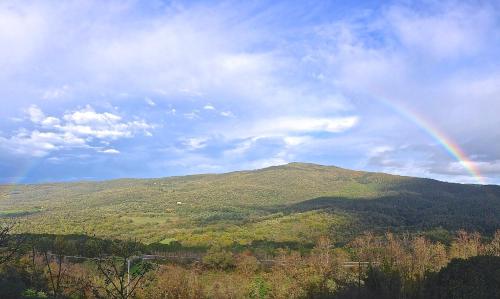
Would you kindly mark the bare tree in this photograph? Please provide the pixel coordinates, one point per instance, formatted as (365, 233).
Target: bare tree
(54, 254)
(9, 244)
(120, 281)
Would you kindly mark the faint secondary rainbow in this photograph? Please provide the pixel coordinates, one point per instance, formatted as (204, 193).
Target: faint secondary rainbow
(448, 144)
(23, 170)
(451, 147)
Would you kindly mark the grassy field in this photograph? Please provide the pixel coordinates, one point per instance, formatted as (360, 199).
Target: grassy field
(296, 202)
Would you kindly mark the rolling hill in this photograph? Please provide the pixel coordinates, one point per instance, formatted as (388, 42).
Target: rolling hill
(293, 204)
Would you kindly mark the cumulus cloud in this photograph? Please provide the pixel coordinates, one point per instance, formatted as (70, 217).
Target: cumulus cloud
(50, 122)
(399, 56)
(76, 129)
(296, 89)
(89, 116)
(89, 123)
(39, 144)
(35, 114)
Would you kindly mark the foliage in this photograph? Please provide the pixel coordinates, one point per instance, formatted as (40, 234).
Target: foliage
(259, 289)
(33, 294)
(476, 277)
(119, 280)
(219, 258)
(172, 282)
(291, 203)
(9, 244)
(293, 231)
(371, 266)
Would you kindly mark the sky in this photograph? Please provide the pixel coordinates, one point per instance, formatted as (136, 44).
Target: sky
(94, 90)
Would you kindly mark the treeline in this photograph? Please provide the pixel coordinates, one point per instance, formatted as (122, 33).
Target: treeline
(371, 266)
(414, 267)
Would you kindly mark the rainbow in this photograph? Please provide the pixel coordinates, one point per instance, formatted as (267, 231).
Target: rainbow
(23, 170)
(419, 120)
(448, 144)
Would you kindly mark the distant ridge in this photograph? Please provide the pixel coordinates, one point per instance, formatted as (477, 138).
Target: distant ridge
(290, 202)
(305, 166)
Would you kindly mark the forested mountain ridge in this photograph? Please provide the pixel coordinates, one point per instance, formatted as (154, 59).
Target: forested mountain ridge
(290, 203)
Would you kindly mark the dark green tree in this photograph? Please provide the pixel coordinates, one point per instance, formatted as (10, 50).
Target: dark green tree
(477, 277)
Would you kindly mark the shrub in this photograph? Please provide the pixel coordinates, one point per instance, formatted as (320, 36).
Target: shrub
(218, 258)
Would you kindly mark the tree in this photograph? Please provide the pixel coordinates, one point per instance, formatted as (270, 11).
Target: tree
(173, 282)
(367, 247)
(219, 258)
(247, 264)
(54, 252)
(494, 247)
(9, 244)
(120, 272)
(466, 245)
(477, 277)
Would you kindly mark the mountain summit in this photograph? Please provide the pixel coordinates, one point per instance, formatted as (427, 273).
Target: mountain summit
(280, 203)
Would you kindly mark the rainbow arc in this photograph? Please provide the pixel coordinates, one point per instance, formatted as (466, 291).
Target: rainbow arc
(438, 135)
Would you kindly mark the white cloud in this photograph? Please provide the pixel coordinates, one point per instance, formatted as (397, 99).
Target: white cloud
(453, 30)
(283, 83)
(241, 148)
(77, 130)
(192, 115)
(286, 133)
(292, 141)
(55, 93)
(23, 29)
(88, 122)
(379, 150)
(50, 122)
(110, 151)
(150, 102)
(266, 162)
(88, 115)
(181, 56)
(485, 168)
(35, 114)
(39, 144)
(288, 125)
(227, 114)
(195, 143)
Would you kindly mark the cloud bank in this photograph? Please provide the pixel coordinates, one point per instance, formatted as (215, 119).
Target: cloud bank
(129, 88)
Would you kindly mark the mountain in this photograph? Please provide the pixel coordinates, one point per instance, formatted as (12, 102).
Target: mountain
(293, 203)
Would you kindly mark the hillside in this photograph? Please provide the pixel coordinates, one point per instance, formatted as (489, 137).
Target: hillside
(293, 203)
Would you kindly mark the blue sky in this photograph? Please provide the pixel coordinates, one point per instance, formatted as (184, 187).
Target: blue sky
(95, 90)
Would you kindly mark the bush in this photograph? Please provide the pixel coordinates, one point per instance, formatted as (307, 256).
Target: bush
(218, 258)
(33, 294)
(247, 264)
(259, 288)
(173, 282)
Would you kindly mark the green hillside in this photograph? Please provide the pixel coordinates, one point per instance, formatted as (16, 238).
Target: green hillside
(293, 203)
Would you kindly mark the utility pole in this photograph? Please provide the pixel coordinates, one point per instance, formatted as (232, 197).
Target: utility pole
(359, 279)
(128, 276)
